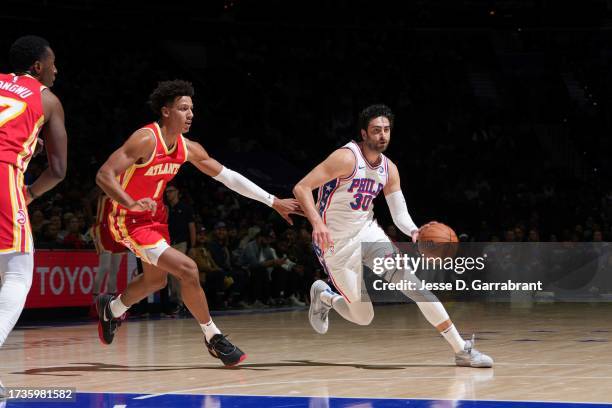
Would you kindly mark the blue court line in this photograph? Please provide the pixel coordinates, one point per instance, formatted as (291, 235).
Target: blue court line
(242, 401)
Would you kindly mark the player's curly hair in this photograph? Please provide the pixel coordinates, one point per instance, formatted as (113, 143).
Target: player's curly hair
(372, 112)
(26, 50)
(167, 91)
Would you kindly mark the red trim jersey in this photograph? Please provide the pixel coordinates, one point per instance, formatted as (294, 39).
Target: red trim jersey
(142, 230)
(100, 230)
(21, 118)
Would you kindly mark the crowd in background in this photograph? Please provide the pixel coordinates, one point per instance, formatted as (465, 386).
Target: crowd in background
(503, 135)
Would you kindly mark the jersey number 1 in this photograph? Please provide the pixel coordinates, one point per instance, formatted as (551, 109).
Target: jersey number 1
(158, 190)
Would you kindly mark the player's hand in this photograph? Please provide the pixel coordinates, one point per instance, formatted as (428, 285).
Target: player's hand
(144, 204)
(321, 237)
(40, 144)
(287, 206)
(26, 194)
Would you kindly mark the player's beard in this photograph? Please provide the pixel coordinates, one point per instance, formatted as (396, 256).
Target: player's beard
(376, 146)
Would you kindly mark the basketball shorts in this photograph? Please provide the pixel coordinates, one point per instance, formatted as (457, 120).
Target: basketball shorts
(145, 237)
(343, 263)
(15, 231)
(103, 240)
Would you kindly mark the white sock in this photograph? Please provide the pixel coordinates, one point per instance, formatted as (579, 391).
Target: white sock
(210, 329)
(327, 297)
(453, 338)
(117, 307)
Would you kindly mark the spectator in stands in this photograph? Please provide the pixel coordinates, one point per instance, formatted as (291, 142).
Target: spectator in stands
(219, 246)
(73, 239)
(212, 277)
(287, 279)
(597, 236)
(37, 220)
(260, 259)
(57, 221)
(533, 236)
(50, 238)
(222, 255)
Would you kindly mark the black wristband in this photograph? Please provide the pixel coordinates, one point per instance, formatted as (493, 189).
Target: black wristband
(31, 193)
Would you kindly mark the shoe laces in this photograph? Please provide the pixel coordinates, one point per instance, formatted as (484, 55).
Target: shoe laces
(471, 349)
(325, 309)
(222, 344)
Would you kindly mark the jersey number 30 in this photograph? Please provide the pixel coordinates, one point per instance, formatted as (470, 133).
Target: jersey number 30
(361, 202)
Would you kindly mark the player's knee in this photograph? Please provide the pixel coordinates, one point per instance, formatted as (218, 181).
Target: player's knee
(20, 280)
(189, 273)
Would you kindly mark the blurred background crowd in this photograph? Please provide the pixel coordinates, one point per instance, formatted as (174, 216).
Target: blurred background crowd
(503, 119)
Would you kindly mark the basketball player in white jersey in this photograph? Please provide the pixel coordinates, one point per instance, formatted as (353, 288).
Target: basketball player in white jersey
(348, 181)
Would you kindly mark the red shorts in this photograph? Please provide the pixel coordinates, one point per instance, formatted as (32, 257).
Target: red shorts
(103, 240)
(145, 236)
(15, 231)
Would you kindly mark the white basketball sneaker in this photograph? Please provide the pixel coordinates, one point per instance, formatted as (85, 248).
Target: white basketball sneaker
(319, 310)
(470, 357)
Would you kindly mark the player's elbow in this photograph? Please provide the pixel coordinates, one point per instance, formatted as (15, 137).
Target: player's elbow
(101, 176)
(298, 189)
(58, 170)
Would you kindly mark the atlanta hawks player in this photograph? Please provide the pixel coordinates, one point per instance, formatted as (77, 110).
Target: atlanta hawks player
(348, 180)
(26, 106)
(135, 177)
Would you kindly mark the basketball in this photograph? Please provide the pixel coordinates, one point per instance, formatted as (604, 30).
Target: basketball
(437, 233)
(437, 241)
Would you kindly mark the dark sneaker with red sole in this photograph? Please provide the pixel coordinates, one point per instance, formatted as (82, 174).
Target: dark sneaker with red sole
(220, 347)
(107, 324)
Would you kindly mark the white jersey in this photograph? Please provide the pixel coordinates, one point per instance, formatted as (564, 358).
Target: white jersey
(345, 204)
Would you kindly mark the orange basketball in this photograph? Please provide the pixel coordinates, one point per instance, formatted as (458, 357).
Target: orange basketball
(438, 233)
(437, 241)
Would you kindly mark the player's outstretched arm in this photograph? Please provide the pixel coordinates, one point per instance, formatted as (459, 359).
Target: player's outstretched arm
(339, 164)
(199, 157)
(56, 140)
(139, 146)
(397, 204)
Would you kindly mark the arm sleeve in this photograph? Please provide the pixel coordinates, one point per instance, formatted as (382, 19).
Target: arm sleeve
(244, 186)
(399, 213)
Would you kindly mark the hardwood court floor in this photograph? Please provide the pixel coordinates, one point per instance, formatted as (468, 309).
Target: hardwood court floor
(550, 352)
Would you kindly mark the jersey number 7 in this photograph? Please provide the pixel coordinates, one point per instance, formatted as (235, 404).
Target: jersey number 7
(10, 108)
